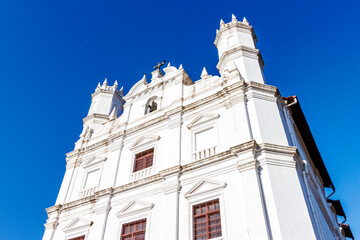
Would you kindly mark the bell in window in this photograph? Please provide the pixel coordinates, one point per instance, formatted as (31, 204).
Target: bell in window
(152, 107)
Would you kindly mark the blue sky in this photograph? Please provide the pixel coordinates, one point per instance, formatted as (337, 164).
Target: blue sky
(53, 54)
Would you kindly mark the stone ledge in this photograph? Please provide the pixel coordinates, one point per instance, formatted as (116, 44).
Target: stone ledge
(232, 152)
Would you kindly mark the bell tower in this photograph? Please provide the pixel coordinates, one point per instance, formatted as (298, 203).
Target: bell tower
(106, 102)
(236, 44)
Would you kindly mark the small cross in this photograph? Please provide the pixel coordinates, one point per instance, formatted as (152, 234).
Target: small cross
(159, 65)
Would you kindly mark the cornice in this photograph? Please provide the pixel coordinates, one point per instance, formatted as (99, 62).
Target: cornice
(104, 192)
(52, 209)
(110, 90)
(243, 166)
(72, 154)
(277, 148)
(224, 92)
(249, 86)
(238, 25)
(245, 51)
(80, 202)
(96, 115)
(140, 182)
(232, 152)
(170, 171)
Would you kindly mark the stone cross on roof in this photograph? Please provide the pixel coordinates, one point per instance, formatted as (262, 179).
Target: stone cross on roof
(159, 65)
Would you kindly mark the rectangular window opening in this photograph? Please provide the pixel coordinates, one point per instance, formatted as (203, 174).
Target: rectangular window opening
(207, 222)
(143, 160)
(134, 230)
(78, 238)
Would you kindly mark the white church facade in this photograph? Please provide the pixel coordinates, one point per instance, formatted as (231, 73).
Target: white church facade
(224, 157)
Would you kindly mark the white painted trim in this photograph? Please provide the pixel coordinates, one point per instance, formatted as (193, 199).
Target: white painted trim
(198, 199)
(202, 118)
(131, 216)
(140, 146)
(217, 185)
(126, 211)
(94, 162)
(201, 123)
(83, 229)
(144, 140)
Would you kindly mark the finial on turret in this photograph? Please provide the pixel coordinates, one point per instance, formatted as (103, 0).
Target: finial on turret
(168, 65)
(181, 67)
(245, 21)
(144, 77)
(233, 18)
(98, 86)
(222, 24)
(115, 84)
(105, 83)
(204, 73)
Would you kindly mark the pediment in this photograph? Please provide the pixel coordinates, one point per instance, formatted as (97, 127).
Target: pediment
(147, 139)
(77, 224)
(134, 207)
(205, 186)
(203, 118)
(94, 161)
(138, 87)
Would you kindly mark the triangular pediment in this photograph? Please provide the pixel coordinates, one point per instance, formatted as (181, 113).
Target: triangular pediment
(205, 186)
(77, 224)
(94, 161)
(203, 118)
(147, 139)
(134, 207)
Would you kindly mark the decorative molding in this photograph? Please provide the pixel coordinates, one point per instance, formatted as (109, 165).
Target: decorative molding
(147, 139)
(231, 89)
(269, 147)
(203, 118)
(278, 162)
(230, 154)
(97, 116)
(94, 161)
(135, 207)
(238, 26)
(141, 83)
(243, 51)
(52, 209)
(77, 224)
(249, 164)
(205, 186)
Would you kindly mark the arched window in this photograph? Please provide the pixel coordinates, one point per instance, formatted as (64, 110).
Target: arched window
(151, 105)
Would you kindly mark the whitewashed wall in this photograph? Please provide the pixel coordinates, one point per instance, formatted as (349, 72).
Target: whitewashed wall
(221, 137)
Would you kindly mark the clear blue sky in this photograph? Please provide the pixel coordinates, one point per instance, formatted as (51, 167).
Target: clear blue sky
(53, 54)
